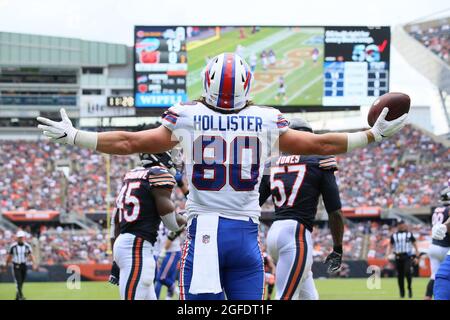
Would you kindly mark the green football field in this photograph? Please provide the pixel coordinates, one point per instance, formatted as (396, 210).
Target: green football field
(329, 289)
(292, 46)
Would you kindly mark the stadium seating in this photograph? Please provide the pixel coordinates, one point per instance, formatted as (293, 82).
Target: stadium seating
(387, 175)
(436, 38)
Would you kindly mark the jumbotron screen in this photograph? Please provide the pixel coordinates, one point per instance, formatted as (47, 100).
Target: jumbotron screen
(292, 66)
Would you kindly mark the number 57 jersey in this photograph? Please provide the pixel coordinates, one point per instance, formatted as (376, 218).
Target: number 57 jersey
(224, 155)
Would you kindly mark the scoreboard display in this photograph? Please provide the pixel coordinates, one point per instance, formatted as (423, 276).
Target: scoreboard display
(356, 65)
(160, 66)
(294, 67)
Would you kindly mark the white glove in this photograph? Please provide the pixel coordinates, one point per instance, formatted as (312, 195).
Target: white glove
(439, 231)
(385, 129)
(64, 132)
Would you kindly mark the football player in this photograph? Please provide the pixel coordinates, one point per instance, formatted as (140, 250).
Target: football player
(438, 248)
(226, 140)
(295, 184)
(170, 257)
(143, 201)
(440, 233)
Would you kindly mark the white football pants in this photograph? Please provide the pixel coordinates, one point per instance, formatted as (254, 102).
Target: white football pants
(134, 256)
(290, 244)
(437, 255)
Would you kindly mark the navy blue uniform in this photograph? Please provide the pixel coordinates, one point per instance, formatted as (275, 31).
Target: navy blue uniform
(136, 204)
(440, 215)
(296, 183)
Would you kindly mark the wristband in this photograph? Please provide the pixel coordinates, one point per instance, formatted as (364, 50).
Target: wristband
(170, 221)
(356, 140)
(86, 139)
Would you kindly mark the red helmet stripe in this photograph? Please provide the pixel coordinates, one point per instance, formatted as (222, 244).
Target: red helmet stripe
(226, 91)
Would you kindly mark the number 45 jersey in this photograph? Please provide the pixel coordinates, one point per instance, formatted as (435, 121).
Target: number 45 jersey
(135, 204)
(225, 155)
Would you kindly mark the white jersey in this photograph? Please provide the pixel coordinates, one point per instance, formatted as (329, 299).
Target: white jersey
(225, 155)
(159, 243)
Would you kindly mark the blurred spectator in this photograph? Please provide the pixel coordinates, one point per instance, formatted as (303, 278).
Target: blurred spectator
(436, 39)
(406, 172)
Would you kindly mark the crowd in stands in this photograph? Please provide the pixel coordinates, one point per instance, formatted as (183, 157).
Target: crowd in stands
(407, 173)
(29, 179)
(437, 39)
(61, 245)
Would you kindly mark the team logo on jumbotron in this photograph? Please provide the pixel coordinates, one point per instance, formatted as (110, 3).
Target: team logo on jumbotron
(206, 238)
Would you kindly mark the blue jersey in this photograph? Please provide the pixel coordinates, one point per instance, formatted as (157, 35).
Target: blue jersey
(296, 183)
(440, 215)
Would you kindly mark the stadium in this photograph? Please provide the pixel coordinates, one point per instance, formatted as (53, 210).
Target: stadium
(63, 197)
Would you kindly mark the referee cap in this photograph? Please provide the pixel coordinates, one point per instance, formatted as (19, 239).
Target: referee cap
(20, 234)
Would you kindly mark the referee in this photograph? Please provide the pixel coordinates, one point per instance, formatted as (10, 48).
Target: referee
(401, 244)
(19, 253)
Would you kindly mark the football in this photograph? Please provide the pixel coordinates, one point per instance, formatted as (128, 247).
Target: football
(397, 102)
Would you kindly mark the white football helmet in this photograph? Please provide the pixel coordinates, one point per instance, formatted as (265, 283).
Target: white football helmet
(226, 82)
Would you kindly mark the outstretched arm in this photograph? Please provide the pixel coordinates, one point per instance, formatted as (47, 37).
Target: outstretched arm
(300, 142)
(114, 142)
(122, 142)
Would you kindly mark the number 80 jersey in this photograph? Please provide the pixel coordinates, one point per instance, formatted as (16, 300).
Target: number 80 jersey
(224, 154)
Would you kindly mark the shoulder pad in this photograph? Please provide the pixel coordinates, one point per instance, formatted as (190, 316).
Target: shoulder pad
(160, 177)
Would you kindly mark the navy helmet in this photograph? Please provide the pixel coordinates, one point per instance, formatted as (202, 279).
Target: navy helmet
(158, 159)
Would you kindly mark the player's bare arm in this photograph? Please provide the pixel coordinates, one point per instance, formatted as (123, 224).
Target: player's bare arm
(166, 209)
(114, 142)
(300, 142)
(147, 141)
(336, 223)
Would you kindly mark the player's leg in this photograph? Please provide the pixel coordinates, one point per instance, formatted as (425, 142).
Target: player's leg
(287, 239)
(145, 289)
(186, 268)
(123, 256)
(169, 273)
(243, 275)
(437, 255)
(134, 257)
(442, 281)
(158, 287)
(308, 289)
(162, 272)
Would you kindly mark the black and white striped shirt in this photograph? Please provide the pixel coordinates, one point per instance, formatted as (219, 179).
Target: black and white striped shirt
(402, 242)
(20, 253)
